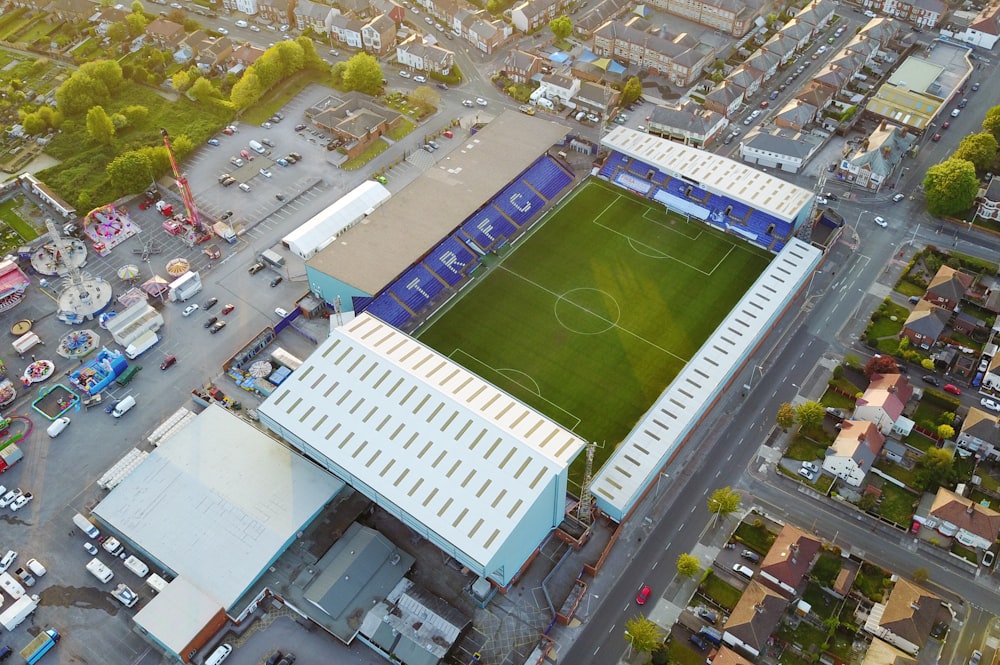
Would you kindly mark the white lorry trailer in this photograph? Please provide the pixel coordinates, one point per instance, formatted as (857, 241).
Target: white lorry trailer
(142, 344)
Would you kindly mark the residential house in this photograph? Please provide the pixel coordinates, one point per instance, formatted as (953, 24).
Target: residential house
(992, 379)
(883, 653)
(969, 522)
(165, 34)
(243, 56)
(980, 433)
(919, 13)
(594, 15)
(486, 36)
(788, 562)
(690, 124)
(968, 324)
(313, 16)
(834, 79)
(355, 121)
(781, 46)
(883, 401)
(754, 619)
(726, 100)
(906, 618)
(557, 87)
(948, 287)
(795, 115)
(413, 54)
(989, 202)
(747, 78)
(106, 17)
(275, 11)
(347, 31)
(765, 62)
(872, 166)
(800, 31)
(248, 7)
(680, 58)
(530, 15)
(925, 324)
(362, 9)
(853, 452)
(984, 31)
(379, 35)
(815, 95)
(70, 11)
(726, 656)
(208, 52)
(521, 66)
(817, 14)
(735, 17)
(596, 99)
(783, 150)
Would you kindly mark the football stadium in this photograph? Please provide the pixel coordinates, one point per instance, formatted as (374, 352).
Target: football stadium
(510, 309)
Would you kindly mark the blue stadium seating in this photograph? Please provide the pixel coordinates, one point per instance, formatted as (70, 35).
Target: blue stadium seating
(487, 228)
(759, 222)
(717, 203)
(676, 186)
(640, 168)
(659, 177)
(697, 194)
(387, 309)
(778, 246)
(416, 287)
(519, 203)
(547, 178)
(614, 161)
(451, 260)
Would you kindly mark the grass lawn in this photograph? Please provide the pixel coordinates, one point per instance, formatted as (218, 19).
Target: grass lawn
(757, 538)
(802, 449)
(590, 317)
(18, 21)
(836, 400)
(846, 385)
(402, 130)
(882, 323)
(905, 476)
(9, 216)
(684, 653)
(919, 441)
(822, 603)
(373, 151)
(806, 636)
(897, 504)
(720, 591)
(933, 404)
(842, 645)
(827, 568)
(908, 288)
(790, 657)
(872, 582)
(40, 29)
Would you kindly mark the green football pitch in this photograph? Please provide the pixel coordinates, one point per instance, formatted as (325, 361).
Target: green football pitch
(590, 317)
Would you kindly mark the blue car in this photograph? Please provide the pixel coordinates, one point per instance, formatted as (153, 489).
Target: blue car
(213, 141)
(282, 162)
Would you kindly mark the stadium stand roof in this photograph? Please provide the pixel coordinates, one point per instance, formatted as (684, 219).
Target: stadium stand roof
(662, 429)
(218, 486)
(396, 235)
(707, 170)
(345, 212)
(459, 461)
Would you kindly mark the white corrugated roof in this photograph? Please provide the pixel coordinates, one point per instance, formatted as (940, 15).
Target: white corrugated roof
(660, 432)
(457, 454)
(713, 172)
(336, 218)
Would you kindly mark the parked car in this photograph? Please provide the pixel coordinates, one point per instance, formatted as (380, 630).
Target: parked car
(931, 380)
(228, 308)
(988, 558)
(952, 388)
(807, 474)
(975, 86)
(480, 101)
(708, 615)
(976, 657)
(213, 141)
(936, 138)
(420, 79)
(169, 361)
(810, 466)
(698, 641)
(405, 74)
(277, 280)
(740, 569)
(217, 326)
(881, 222)
(7, 559)
(955, 113)
(9, 497)
(210, 321)
(898, 197)
(255, 268)
(750, 555)
(210, 303)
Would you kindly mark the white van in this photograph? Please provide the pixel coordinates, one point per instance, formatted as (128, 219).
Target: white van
(11, 586)
(123, 406)
(257, 147)
(57, 426)
(156, 583)
(86, 526)
(219, 655)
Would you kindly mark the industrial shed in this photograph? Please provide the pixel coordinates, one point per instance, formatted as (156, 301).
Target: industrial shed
(463, 464)
(326, 226)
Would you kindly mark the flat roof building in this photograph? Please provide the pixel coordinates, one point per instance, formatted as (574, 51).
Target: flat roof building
(460, 462)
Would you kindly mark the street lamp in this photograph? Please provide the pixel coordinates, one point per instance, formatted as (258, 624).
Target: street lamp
(753, 370)
(899, 177)
(589, 596)
(658, 479)
(628, 638)
(810, 285)
(858, 223)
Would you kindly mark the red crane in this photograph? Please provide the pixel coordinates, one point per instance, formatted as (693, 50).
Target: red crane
(198, 232)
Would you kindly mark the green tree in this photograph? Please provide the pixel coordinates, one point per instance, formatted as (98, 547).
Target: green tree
(108, 72)
(182, 144)
(362, 73)
(980, 149)
(688, 565)
(84, 201)
(180, 80)
(78, 93)
(927, 364)
(309, 55)
(99, 125)
(34, 124)
(203, 90)
(951, 186)
(810, 414)
(291, 56)
(631, 91)
(117, 32)
(247, 91)
(643, 634)
(426, 97)
(991, 122)
(52, 117)
(921, 575)
(155, 59)
(130, 172)
(137, 7)
(137, 115)
(136, 24)
(119, 121)
(785, 416)
(934, 469)
(945, 432)
(724, 501)
(561, 27)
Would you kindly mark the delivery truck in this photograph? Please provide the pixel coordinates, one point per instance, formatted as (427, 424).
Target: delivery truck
(142, 344)
(185, 286)
(10, 456)
(112, 546)
(22, 608)
(224, 231)
(40, 646)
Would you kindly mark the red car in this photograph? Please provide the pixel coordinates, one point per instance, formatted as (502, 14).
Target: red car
(168, 362)
(946, 125)
(952, 388)
(227, 309)
(448, 134)
(228, 131)
(765, 104)
(936, 138)
(643, 595)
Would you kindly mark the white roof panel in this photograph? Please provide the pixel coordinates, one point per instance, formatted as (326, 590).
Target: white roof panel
(459, 455)
(713, 172)
(316, 233)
